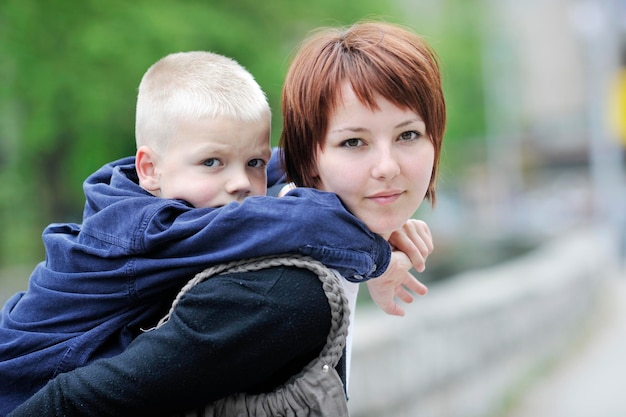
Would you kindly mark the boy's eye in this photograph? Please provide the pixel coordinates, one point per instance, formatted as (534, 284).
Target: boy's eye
(257, 163)
(352, 143)
(212, 162)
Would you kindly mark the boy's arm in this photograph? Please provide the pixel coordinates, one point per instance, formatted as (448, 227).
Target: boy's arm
(306, 221)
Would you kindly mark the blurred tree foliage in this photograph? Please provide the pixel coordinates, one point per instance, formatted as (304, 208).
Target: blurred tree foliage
(69, 73)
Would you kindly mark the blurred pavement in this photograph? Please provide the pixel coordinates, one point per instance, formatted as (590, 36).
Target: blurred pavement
(590, 380)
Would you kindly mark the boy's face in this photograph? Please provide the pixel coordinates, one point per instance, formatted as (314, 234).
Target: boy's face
(212, 162)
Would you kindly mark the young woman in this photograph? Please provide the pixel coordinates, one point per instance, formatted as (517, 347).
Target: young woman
(364, 118)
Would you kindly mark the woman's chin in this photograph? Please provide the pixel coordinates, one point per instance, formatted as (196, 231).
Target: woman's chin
(385, 230)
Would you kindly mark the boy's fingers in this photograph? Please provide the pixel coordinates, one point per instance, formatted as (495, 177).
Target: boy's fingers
(418, 262)
(415, 285)
(394, 310)
(417, 247)
(404, 295)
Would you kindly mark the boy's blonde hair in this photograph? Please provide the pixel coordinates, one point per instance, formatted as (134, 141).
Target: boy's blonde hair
(194, 85)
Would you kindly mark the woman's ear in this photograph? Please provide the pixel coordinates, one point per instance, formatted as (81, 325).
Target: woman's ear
(146, 165)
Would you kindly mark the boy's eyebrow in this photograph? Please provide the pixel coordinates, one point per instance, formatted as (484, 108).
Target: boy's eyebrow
(213, 147)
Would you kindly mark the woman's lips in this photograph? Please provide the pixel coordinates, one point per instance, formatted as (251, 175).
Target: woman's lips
(385, 197)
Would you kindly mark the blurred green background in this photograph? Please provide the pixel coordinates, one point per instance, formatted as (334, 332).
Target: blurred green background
(69, 73)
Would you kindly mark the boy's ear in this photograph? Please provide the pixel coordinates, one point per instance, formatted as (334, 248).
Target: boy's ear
(146, 165)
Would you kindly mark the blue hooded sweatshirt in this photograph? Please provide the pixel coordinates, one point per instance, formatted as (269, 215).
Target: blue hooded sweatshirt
(117, 273)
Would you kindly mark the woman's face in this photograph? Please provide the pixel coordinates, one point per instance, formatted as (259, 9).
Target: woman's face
(379, 162)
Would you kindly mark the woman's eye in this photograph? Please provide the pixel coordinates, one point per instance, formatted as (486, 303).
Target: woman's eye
(212, 162)
(410, 135)
(352, 143)
(257, 163)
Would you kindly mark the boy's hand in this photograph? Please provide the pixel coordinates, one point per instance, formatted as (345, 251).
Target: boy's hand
(412, 245)
(415, 240)
(394, 283)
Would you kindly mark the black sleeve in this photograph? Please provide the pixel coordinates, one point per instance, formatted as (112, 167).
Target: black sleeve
(231, 333)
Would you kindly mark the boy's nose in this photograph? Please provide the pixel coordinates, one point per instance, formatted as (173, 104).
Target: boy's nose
(238, 183)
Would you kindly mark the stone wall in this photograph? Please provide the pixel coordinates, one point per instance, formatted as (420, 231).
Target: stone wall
(462, 350)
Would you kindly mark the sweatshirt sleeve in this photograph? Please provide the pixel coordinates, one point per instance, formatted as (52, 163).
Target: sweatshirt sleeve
(306, 221)
(231, 333)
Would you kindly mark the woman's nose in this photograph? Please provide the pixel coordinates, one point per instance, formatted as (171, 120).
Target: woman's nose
(386, 165)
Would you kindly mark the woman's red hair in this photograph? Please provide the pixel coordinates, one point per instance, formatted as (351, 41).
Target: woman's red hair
(376, 58)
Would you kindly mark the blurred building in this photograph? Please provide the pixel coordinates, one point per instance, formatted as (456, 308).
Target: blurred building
(556, 88)
(554, 94)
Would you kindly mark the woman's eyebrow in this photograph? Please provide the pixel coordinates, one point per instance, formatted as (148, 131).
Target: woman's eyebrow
(351, 129)
(408, 122)
(363, 129)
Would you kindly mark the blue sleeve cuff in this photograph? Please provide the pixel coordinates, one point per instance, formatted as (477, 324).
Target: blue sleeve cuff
(354, 266)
